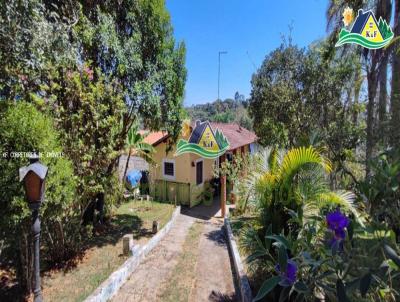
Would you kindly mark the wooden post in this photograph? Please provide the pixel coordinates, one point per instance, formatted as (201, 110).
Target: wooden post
(223, 190)
(156, 226)
(223, 196)
(127, 243)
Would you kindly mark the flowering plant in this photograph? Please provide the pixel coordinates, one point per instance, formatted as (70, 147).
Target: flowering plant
(288, 275)
(337, 223)
(315, 270)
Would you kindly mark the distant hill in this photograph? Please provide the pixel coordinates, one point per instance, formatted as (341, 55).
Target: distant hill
(226, 111)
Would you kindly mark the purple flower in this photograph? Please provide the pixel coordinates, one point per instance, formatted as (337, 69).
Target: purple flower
(337, 222)
(288, 277)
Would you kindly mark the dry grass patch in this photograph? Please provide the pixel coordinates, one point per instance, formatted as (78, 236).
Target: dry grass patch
(181, 281)
(103, 255)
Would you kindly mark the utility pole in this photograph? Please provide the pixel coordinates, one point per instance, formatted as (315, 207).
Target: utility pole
(219, 66)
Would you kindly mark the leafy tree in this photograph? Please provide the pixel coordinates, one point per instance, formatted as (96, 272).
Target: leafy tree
(275, 102)
(88, 111)
(223, 117)
(296, 93)
(32, 39)
(121, 56)
(97, 67)
(132, 42)
(24, 129)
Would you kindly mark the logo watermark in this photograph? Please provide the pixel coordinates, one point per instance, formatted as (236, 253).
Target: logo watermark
(365, 31)
(22, 154)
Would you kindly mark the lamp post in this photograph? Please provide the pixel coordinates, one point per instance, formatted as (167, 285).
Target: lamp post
(219, 66)
(33, 177)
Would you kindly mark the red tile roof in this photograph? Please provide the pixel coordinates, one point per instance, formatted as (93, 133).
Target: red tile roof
(236, 135)
(154, 138)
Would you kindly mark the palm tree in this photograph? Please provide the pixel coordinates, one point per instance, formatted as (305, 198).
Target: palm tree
(375, 61)
(135, 144)
(294, 181)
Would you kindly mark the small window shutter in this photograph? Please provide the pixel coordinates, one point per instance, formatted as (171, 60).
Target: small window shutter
(199, 172)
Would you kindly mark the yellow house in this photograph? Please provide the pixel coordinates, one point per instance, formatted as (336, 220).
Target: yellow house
(180, 178)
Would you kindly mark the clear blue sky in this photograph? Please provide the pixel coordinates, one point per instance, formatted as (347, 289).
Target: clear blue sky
(239, 27)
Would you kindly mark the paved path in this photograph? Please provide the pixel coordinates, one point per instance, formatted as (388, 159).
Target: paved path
(213, 279)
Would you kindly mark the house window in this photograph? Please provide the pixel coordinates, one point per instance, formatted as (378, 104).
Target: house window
(217, 163)
(199, 172)
(168, 169)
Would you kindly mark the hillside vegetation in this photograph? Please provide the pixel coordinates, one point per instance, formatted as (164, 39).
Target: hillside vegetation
(226, 111)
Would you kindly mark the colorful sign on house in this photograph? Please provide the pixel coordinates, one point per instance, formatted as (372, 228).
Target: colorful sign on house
(365, 31)
(204, 142)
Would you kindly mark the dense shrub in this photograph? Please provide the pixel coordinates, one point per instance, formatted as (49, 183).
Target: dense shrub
(24, 129)
(381, 191)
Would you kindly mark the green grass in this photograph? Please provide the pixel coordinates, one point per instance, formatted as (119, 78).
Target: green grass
(104, 252)
(182, 278)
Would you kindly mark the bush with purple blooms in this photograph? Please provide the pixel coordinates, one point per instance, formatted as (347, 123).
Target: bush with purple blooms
(312, 244)
(306, 268)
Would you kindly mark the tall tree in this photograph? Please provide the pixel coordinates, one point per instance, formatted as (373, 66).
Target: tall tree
(126, 47)
(383, 10)
(296, 94)
(97, 67)
(395, 92)
(375, 63)
(275, 104)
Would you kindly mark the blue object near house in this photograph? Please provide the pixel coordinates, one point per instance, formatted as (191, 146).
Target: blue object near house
(133, 177)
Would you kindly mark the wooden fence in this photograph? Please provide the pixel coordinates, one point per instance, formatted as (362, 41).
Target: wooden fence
(171, 191)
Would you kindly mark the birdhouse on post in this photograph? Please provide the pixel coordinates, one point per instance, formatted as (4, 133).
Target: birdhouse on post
(33, 177)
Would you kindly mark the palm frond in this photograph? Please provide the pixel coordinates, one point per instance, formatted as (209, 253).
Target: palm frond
(268, 159)
(297, 158)
(273, 160)
(310, 184)
(344, 199)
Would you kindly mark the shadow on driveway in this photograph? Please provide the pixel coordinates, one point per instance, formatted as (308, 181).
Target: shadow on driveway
(204, 212)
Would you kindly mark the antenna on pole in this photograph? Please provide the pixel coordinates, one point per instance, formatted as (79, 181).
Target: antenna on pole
(219, 66)
(251, 61)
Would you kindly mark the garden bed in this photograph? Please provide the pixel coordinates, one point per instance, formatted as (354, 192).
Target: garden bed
(368, 238)
(237, 224)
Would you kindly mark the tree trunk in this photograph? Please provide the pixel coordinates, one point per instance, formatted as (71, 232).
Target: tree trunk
(372, 83)
(395, 94)
(100, 207)
(126, 165)
(357, 88)
(384, 10)
(382, 103)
